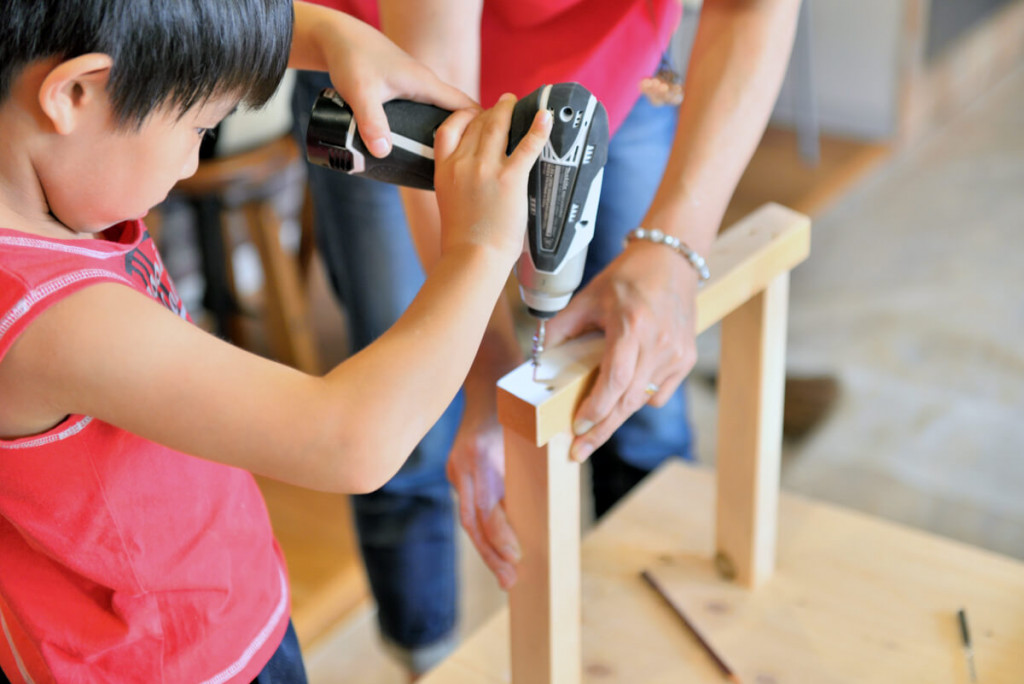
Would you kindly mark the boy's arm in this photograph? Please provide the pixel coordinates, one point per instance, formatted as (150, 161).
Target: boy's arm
(114, 354)
(366, 68)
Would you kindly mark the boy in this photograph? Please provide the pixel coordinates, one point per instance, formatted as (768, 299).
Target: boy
(134, 546)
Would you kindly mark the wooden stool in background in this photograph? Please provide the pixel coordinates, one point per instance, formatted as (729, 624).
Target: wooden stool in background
(245, 183)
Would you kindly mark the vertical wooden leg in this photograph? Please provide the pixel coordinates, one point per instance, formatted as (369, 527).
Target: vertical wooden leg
(542, 496)
(542, 485)
(750, 394)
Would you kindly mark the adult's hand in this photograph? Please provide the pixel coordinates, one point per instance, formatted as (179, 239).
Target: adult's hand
(644, 302)
(476, 468)
(476, 463)
(367, 69)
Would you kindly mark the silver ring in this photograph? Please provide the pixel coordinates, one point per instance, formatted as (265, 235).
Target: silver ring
(651, 389)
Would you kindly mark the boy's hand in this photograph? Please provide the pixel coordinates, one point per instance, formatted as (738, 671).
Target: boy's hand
(481, 192)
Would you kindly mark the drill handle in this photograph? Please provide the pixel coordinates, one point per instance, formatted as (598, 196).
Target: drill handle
(333, 141)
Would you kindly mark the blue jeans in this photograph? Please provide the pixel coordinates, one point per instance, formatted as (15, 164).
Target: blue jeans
(285, 666)
(407, 528)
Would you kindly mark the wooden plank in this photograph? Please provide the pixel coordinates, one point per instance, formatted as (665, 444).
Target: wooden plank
(743, 261)
(750, 389)
(540, 410)
(855, 600)
(747, 256)
(542, 486)
(542, 496)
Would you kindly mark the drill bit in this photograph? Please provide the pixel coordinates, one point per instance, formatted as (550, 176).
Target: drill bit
(538, 347)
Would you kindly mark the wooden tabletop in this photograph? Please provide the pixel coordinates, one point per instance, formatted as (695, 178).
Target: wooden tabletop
(853, 599)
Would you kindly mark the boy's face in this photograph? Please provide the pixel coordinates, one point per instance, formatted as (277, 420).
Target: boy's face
(107, 175)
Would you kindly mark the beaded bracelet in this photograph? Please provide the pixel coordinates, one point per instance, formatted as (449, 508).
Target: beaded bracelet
(658, 237)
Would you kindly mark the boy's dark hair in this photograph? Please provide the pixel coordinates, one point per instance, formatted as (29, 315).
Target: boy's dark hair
(167, 53)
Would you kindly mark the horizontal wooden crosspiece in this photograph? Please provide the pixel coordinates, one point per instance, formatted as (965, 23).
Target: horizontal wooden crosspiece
(743, 262)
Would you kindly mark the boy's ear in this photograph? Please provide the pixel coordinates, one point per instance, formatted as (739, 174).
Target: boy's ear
(73, 88)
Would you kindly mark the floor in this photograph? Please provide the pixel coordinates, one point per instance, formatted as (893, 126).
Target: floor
(914, 295)
(914, 298)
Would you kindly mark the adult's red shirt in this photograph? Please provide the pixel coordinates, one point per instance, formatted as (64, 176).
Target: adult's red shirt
(607, 45)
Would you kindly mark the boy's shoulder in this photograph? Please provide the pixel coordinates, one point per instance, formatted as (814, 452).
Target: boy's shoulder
(45, 265)
(38, 271)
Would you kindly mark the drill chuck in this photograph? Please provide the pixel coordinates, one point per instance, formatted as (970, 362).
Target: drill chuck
(544, 293)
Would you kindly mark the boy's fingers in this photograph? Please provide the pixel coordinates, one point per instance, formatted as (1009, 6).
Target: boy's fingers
(530, 147)
(449, 133)
(469, 517)
(464, 487)
(504, 571)
(495, 124)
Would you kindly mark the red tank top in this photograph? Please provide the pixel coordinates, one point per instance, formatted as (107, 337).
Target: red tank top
(121, 559)
(606, 45)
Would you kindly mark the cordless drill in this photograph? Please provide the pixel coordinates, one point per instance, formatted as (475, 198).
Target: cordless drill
(564, 184)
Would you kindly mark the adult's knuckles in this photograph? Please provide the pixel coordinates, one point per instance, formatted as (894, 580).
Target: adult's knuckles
(619, 377)
(685, 358)
(676, 356)
(640, 318)
(467, 516)
(667, 339)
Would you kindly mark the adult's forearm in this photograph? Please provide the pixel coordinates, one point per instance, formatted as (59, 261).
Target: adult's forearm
(314, 26)
(443, 34)
(737, 65)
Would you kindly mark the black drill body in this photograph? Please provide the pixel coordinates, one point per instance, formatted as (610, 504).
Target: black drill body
(563, 191)
(564, 184)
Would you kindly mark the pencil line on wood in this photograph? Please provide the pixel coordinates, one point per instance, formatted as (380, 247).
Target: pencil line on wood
(654, 584)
